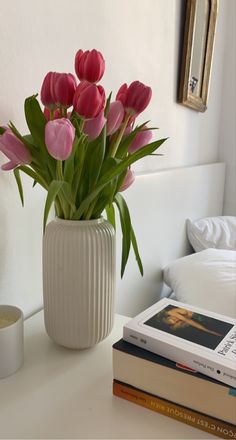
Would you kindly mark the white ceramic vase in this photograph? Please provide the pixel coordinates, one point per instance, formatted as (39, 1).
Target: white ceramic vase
(78, 281)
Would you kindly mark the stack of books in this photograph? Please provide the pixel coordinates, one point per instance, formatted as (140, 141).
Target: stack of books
(180, 361)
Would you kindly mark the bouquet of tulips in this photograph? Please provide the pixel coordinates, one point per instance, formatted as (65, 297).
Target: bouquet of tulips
(82, 157)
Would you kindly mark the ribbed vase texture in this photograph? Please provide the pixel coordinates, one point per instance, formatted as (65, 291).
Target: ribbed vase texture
(78, 281)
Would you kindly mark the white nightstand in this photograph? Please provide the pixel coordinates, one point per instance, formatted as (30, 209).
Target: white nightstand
(66, 394)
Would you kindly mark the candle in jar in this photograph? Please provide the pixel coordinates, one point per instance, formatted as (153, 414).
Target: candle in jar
(6, 319)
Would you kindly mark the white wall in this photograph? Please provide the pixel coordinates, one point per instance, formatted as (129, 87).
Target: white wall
(139, 40)
(227, 132)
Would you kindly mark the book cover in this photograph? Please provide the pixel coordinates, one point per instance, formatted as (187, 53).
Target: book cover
(200, 339)
(181, 385)
(177, 412)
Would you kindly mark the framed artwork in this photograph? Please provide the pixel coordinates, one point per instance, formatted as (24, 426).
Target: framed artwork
(198, 43)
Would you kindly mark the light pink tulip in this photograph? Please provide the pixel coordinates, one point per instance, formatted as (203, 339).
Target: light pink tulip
(89, 65)
(142, 138)
(14, 149)
(115, 117)
(59, 138)
(135, 98)
(89, 100)
(129, 179)
(93, 127)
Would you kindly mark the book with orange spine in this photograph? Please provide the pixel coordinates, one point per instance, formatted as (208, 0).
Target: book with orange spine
(180, 413)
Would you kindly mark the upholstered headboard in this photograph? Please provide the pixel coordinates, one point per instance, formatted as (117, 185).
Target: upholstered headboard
(159, 204)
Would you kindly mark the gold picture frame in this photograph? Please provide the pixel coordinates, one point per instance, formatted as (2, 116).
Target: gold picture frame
(198, 42)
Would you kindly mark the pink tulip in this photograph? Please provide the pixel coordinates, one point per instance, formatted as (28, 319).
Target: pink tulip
(47, 97)
(135, 98)
(89, 65)
(142, 138)
(59, 138)
(115, 117)
(63, 88)
(14, 149)
(89, 100)
(129, 179)
(93, 127)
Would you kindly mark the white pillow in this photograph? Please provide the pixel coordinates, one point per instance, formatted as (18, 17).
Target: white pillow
(212, 232)
(206, 279)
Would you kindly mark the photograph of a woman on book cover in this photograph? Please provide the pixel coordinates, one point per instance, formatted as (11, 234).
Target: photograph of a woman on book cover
(192, 326)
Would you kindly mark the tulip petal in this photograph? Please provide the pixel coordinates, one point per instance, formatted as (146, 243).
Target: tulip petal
(9, 166)
(93, 127)
(115, 117)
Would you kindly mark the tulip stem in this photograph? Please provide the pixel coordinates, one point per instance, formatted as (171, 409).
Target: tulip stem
(119, 137)
(59, 170)
(90, 210)
(63, 203)
(81, 124)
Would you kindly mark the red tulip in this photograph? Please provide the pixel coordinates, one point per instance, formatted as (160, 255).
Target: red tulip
(47, 97)
(142, 138)
(63, 89)
(93, 127)
(115, 117)
(135, 98)
(89, 100)
(14, 149)
(59, 138)
(89, 65)
(121, 94)
(58, 89)
(129, 179)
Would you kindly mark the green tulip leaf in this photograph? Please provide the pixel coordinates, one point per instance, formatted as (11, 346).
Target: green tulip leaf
(136, 251)
(35, 176)
(126, 229)
(111, 217)
(53, 190)
(19, 184)
(36, 121)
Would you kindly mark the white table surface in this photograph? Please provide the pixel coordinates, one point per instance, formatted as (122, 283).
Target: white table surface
(66, 394)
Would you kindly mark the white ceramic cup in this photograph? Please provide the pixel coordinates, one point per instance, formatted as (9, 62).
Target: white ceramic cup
(11, 340)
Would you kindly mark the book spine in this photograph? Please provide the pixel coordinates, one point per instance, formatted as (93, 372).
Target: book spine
(193, 418)
(193, 360)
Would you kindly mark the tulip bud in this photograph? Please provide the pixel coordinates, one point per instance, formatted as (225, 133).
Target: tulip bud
(89, 100)
(121, 94)
(63, 89)
(59, 138)
(128, 180)
(142, 138)
(47, 97)
(115, 117)
(135, 98)
(89, 65)
(93, 127)
(14, 149)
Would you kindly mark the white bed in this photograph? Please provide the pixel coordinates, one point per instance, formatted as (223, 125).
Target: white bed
(159, 204)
